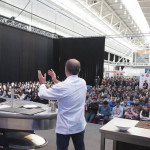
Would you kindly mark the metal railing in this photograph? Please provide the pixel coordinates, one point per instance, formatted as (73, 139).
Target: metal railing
(127, 64)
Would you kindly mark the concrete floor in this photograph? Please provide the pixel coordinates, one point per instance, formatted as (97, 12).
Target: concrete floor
(92, 138)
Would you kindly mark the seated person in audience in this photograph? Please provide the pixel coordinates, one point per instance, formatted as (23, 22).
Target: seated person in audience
(125, 105)
(32, 92)
(4, 92)
(145, 114)
(87, 102)
(92, 93)
(100, 101)
(91, 110)
(145, 84)
(146, 98)
(108, 98)
(117, 111)
(8, 92)
(129, 100)
(142, 101)
(21, 95)
(137, 104)
(1, 91)
(113, 102)
(27, 95)
(131, 113)
(35, 98)
(15, 93)
(148, 104)
(103, 112)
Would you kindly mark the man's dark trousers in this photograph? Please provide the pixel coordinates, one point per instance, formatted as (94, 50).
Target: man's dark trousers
(62, 141)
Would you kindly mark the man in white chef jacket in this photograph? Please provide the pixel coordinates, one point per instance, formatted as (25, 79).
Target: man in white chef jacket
(71, 95)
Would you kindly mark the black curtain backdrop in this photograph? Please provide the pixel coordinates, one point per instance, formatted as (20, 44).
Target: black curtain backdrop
(90, 53)
(56, 58)
(105, 55)
(22, 53)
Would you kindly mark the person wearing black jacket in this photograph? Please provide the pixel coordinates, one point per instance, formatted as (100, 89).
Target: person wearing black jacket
(92, 110)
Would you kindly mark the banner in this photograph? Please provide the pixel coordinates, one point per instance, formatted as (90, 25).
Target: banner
(143, 77)
(147, 70)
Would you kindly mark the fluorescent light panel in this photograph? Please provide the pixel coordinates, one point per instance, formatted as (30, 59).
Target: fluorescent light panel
(134, 9)
(120, 6)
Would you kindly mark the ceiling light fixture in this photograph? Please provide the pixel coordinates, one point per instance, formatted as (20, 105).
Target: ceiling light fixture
(135, 10)
(125, 12)
(116, 1)
(120, 6)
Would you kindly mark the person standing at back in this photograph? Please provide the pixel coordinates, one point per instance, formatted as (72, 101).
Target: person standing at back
(71, 96)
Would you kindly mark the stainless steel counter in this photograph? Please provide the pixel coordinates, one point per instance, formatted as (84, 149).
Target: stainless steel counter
(41, 121)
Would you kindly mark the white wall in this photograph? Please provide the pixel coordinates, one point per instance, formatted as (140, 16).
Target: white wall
(130, 71)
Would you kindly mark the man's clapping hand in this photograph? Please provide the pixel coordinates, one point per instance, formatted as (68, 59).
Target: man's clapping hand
(42, 79)
(52, 74)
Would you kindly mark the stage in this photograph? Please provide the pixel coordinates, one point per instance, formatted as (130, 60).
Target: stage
(92, 138)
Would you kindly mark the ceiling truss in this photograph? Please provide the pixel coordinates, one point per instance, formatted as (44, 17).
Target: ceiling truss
(118, 19)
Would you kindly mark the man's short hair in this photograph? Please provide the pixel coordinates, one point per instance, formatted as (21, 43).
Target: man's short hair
(95, 99)
(105, 103)
(117, 102)
(132, 104)
(73, 66)
(125, 97)
(137, 97)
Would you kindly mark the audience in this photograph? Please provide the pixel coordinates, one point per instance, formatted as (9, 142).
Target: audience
(116, 96)
(124, 90)
(22, 90)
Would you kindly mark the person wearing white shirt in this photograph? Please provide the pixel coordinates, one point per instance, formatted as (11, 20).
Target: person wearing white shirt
(71, 95)
(145, 114)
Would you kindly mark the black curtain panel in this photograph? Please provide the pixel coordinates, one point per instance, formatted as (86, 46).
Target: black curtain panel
(90, 53)
(22, 53)
(105, 55)
(9, 53)
(56, 57)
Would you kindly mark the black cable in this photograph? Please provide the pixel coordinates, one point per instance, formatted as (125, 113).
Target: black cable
(42, 18)
(23, 9)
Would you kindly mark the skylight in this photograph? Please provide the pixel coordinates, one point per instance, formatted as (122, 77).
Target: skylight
(135, 10)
